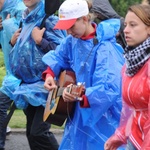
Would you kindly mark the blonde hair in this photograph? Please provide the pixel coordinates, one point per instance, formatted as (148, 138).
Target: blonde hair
(142, 11)
(89, 3)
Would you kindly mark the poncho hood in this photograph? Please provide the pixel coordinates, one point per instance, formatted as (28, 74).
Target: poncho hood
(102, 30)
(104, 8)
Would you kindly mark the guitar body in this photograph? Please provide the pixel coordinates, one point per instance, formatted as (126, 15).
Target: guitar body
(56, 110)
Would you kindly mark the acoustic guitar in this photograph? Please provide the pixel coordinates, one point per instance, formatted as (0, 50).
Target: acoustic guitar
(56, 110)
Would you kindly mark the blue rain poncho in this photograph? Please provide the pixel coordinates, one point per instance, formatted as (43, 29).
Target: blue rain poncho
(100, 69)
(15, 9)
(26, 60)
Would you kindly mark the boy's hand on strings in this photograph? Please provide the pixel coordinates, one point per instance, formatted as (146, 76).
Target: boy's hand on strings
(73, 93)
(67, 96)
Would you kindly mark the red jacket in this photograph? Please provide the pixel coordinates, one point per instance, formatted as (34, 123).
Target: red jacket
(136, 94)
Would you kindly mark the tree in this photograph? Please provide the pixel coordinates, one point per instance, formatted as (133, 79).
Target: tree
(121, 6)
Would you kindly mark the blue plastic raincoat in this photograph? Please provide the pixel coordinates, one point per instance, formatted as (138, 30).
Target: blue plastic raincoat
(15, 9)
(100, 69)
(26, 60)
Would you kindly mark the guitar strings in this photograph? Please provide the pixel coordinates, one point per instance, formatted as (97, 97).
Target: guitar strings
(77, 126)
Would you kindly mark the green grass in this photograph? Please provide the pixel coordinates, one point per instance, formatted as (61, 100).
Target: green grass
(2, 68)
(2, 74)
(1, 59)
(18, 120)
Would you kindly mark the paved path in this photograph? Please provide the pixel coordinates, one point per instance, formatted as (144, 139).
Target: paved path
(17, 140)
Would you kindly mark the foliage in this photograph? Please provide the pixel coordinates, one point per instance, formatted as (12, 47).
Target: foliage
(121, 6)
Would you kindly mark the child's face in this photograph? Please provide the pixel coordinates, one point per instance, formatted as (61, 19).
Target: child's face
(78, 29)
(31, 4)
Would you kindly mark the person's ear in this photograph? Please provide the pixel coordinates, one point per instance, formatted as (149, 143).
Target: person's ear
(148, 31)
(85, 18)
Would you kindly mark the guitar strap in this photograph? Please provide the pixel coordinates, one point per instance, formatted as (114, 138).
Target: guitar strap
(95, 42)
(60, 89)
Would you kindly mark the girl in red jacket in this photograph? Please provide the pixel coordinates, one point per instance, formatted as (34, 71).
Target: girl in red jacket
(135, 128)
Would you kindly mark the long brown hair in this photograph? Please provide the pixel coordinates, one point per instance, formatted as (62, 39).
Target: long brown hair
(142, 11)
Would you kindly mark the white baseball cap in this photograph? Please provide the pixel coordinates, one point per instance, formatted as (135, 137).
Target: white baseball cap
(69, 12)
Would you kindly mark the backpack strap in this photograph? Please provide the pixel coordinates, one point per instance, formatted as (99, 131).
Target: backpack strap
(20, 24)
(51, 6)
(43, 21)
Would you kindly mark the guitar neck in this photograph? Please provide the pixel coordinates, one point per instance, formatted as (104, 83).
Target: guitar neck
(74, 89)
(60, 91)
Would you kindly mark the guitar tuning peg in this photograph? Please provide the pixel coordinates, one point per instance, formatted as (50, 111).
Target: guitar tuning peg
(79, 83)
(78, 98)
(83, 83)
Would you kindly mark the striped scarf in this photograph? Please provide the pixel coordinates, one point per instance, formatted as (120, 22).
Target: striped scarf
(136, 58)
